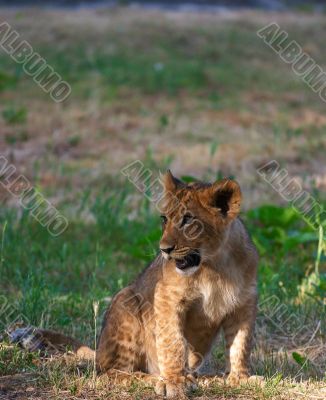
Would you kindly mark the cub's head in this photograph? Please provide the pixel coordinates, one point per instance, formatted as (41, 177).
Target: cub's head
(195, 219)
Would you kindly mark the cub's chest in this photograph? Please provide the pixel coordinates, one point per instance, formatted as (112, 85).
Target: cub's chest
(219, 297)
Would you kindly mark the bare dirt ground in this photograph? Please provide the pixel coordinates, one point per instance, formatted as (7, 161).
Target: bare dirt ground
(91, 135)
(249, 111)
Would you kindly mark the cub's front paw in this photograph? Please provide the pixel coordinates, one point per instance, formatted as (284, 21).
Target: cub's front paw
(175, 387)
(236, 378)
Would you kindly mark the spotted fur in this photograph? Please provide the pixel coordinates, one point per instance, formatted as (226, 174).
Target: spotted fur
(164, 323)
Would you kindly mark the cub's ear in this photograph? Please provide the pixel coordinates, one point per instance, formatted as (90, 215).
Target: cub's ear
(170, 182)
(226, 196)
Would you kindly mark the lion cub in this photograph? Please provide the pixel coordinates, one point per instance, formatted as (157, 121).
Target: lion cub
(203, 280)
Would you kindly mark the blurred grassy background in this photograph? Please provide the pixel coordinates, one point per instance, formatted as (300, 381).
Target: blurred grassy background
(197, 92)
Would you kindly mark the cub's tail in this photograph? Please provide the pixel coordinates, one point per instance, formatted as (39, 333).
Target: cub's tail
(44, 340)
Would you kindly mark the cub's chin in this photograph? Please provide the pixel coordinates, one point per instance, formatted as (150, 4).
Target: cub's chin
(189, 264)
(188, 271)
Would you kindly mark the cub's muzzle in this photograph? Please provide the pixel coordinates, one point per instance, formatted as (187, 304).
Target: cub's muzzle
(190, 260)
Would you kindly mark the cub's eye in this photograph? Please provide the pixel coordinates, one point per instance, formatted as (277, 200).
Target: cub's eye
(164, 219)
(187, 218)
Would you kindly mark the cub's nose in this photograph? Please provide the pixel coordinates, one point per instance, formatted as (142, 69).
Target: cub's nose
(167, 250)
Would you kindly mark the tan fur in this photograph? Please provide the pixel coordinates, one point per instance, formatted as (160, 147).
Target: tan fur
(172, 319)
(165, 322)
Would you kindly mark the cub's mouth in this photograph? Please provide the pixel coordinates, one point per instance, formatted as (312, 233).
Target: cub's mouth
(190, 260)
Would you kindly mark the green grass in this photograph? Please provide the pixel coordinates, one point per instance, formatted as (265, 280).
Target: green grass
(145, 87)
(13, 360)
(153, 56)
(52, 282)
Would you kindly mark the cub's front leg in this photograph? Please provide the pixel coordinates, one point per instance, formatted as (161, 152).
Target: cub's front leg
(171, 346)
(238, 331)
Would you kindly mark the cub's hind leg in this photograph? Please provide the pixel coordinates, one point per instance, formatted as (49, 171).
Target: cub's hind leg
(120, 345)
